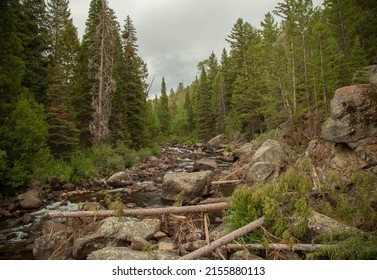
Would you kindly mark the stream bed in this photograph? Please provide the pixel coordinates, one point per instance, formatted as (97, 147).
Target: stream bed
(17, 238)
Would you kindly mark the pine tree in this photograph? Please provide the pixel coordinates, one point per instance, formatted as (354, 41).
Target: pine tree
(63, 135)
(84, 77)
(190, 122)
(33, 31)
(204, 117)
(135, 73)
(12, 66)
(163, 110)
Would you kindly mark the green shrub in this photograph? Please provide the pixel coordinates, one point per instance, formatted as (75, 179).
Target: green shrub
(106, 160)
(82, 167)
(282, 203)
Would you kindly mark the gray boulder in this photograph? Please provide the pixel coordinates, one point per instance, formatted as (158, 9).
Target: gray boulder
(215, 142)
(266, 162)
(333, 155)
(124, 253)
(185, 186)
(353, 114)
(245, 150)
(114, 232)
(205, 164)
(53, 246)
(30, 200)
(354, 120)
(119, 179)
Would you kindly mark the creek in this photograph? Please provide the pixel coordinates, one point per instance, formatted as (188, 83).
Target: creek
(17, 238)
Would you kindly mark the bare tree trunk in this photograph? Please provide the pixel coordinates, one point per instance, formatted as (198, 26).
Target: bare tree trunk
(323, 75)
(144, 211)
(308, 97)
(101, 61)
(294, 89)
(224, 240)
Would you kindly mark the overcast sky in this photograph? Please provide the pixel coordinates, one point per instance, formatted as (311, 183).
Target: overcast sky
(174, 35)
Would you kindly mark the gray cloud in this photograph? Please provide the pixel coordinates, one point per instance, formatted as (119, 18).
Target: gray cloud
(174, 35)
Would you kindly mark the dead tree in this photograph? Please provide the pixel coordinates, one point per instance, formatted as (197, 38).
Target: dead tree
(102, 65)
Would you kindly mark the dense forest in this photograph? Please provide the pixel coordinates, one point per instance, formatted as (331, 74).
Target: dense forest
(71, 109)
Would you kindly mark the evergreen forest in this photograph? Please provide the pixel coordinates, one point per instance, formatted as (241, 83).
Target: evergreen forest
(76, 108)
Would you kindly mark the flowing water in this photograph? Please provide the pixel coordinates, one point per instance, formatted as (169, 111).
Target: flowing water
(16, 237)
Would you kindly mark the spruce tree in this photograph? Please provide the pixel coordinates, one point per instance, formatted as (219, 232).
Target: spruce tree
(163, 110)
(12, 65)
(33, 31)
(63, 135)
(204, 117)
(134, 76)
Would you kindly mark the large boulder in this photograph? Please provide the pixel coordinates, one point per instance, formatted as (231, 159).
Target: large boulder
(353, 120)
(185, 186)
(266, 162)
(205, 164)
(52, 246)
(353, 114)
(334, 155)
(30, 200)
(124, 253)
(115, 231)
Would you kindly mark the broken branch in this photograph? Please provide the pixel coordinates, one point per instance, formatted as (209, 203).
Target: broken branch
(224, 240)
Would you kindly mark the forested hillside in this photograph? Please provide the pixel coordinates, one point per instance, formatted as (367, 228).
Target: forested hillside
(73, 108)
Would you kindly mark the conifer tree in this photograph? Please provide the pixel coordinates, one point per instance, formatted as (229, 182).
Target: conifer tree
(33, 31)
(12, 65)
(135, 73)
(63, 135)
(204, 117)
(163, 110)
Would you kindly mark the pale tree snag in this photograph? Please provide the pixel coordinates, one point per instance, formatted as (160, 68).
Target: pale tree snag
(224, 240)
(278, 247)
(101, 63)
(144, 211)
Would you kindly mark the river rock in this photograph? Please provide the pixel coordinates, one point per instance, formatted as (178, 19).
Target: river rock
(115, 231)
(53, 246)
(124, 253)
(139, 243)
(266, 162)
(319, 224)
(52, 227)
(166, 245)
(119, 179)
(205, 164)
(244, 255)
(245, 150)
(185, 186)
(30, 200)
(215, 142)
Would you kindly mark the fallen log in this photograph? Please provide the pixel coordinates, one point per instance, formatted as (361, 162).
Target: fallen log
(143, 211)
(224, 240)
(212, 200)
(226, 182)
(278, 247)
